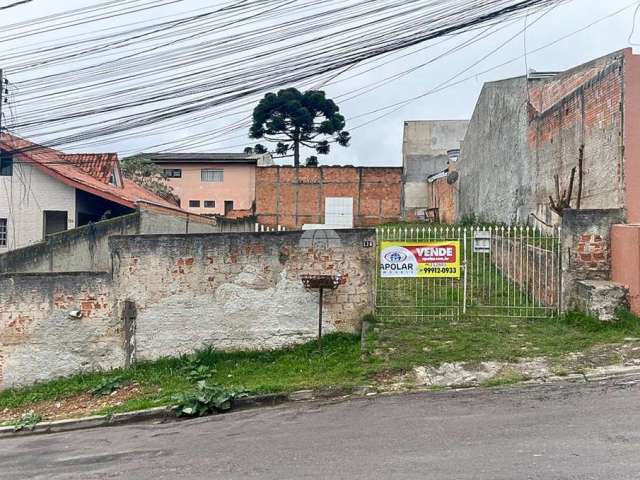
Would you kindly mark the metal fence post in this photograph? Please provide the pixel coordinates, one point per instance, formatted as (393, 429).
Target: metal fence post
(464, 265)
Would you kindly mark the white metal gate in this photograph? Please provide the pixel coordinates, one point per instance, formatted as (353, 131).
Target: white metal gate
(505, 272)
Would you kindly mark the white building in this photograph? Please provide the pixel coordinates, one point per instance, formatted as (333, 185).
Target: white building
(44, 191)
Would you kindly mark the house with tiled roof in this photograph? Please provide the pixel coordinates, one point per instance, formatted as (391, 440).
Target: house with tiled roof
(44, 191)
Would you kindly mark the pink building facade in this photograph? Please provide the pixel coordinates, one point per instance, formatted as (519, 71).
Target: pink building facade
(212, 183)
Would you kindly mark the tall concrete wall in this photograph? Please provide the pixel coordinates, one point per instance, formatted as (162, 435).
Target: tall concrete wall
(40, 340)
(424, 152)
(240, 290)
(495, 173)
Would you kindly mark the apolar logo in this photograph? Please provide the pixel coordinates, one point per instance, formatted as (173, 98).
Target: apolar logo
(397, 262)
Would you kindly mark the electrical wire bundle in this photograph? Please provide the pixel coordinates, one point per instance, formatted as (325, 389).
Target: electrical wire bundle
(157, 73)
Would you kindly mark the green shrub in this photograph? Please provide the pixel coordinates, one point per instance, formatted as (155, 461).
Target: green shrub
(205, 399)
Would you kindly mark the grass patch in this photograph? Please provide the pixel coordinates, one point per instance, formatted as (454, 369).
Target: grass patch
(434, 341)
(286, 370)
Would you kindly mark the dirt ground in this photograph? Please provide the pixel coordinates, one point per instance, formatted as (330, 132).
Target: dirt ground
(72, 407)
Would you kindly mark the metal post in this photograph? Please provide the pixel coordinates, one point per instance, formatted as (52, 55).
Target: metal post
(1, 97)
(320, 323)
(464, 265)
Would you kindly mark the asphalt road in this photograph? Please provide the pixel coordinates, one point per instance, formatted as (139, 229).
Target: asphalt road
(563, 431)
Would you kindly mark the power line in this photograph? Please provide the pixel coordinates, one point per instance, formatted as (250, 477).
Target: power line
(124, 88)
(16, 4)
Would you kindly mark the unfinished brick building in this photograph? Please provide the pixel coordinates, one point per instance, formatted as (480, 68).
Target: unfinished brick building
(338, 196)
(525, 131)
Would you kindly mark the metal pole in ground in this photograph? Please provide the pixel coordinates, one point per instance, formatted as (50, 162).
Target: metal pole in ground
(1, 97)
(320, 322)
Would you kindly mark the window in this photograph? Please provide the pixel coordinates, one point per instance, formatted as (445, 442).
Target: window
(173, 172)
(6, 164)
(194, 203)
(3, 232)
(211, 175)
(209, 204)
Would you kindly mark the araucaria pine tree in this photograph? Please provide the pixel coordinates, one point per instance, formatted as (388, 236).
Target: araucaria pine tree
(292, 119)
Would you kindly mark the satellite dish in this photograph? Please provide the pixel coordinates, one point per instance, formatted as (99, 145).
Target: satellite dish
(452, 177)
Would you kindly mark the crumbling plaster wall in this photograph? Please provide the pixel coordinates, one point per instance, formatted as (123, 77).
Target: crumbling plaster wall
(239, 291)
(40, 339)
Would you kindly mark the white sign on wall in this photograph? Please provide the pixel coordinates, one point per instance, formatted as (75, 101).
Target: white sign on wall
(338, 212)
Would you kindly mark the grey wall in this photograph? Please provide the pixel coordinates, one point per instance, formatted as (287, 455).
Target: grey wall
(495, 173)
(87, 248)
(525, 133)
(39, 340)
(80, 249)
(240, 290)
(424, 152)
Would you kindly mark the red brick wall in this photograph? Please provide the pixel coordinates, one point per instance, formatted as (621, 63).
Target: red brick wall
(291, 196)
(583, 106)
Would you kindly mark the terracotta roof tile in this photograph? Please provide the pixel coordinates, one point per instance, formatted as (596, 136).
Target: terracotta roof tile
(57, 164)
(98, 165)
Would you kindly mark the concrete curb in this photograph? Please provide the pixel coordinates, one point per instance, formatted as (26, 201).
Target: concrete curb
(166, 413)
(270, 400)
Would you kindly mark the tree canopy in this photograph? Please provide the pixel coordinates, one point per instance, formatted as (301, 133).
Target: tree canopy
(148, 175)
(292, 119)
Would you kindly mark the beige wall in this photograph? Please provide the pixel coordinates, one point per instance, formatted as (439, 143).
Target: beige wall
(238, 186)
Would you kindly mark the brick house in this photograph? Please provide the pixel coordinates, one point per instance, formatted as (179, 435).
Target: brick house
(45, 191)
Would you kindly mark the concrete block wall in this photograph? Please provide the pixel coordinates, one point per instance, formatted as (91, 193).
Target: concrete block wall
(239, 291)
(40, 340)
(292, 197)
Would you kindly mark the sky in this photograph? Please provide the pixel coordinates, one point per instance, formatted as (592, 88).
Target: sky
(377, 137)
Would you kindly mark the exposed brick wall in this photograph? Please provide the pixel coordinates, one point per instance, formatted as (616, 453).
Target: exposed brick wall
(39, 340)
(235, 291)
(291, 196)
(592, 253)
(228, 290)
(581, 107)
(586, 240)
(524, 132)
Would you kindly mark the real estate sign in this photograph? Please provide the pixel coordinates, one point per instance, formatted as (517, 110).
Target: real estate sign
(420, 259)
